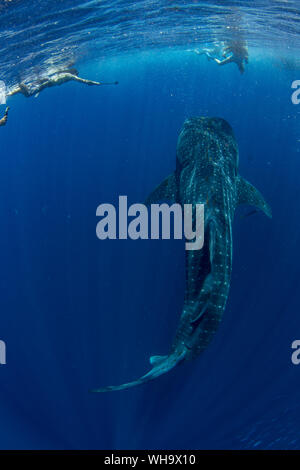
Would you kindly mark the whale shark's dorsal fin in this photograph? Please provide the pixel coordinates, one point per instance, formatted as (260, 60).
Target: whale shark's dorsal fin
(167, 190)
(248, 194)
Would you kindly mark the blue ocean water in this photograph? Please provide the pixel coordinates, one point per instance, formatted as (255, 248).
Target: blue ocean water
(79, 313)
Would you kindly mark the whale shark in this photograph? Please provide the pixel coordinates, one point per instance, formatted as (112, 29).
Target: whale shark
(206, 173)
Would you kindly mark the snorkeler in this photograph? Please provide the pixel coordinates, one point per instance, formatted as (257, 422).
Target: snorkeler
(236, 51)
(57, 78)
(3, 121)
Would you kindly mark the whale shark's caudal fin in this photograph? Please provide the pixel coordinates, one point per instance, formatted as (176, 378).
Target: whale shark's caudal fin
(248, 194)
(161, 365)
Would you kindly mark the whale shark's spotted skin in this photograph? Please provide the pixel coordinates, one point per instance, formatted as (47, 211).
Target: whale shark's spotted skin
(206, 173)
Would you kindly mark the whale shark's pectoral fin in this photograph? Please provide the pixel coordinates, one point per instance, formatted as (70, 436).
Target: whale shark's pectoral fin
(248, 194)
(167, 190)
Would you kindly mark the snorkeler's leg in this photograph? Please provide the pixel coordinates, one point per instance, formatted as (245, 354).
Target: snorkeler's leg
(241, 66)
(3, 121)
(196, 51)
(13, 92)
(86, 82)
(209, 56)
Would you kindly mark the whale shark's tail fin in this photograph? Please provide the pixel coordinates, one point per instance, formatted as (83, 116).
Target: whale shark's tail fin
(161, 365)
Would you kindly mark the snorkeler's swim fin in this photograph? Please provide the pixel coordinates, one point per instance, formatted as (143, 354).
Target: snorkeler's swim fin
(109, 83)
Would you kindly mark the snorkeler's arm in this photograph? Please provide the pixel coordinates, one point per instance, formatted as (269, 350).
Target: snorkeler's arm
(228, 60)
(226, 50)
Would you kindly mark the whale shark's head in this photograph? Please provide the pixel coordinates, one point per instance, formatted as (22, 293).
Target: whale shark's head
(209, 139)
